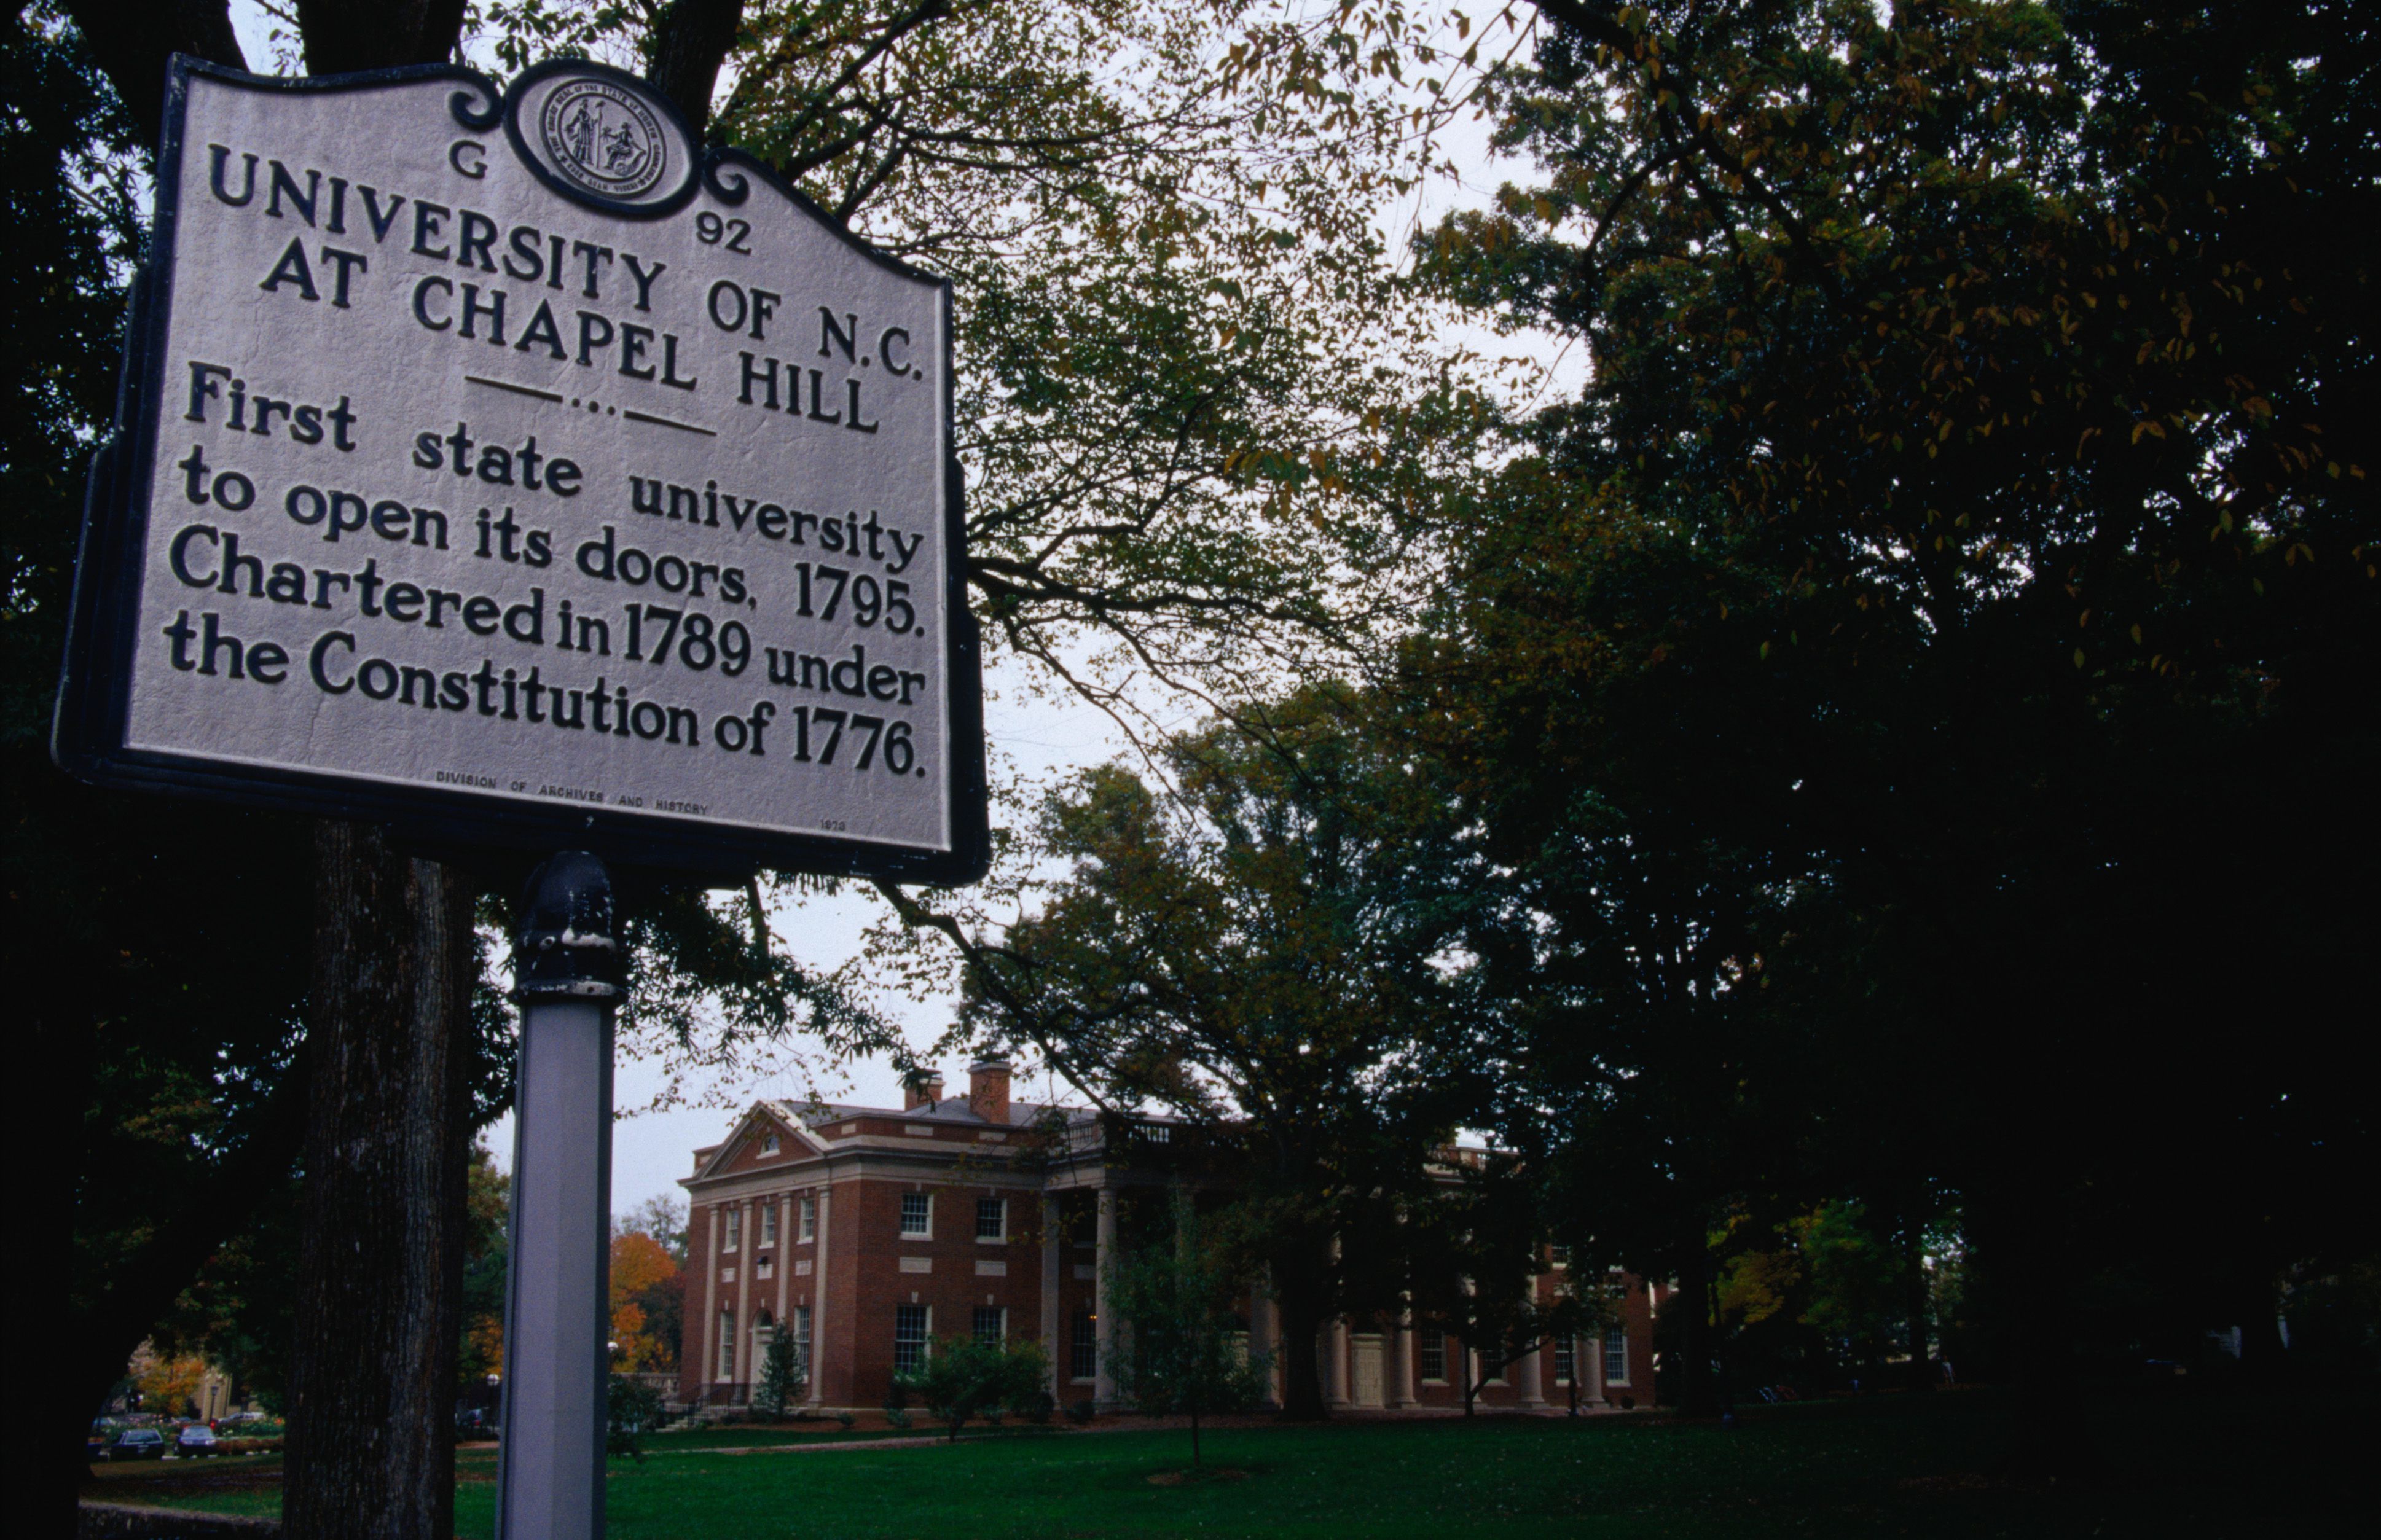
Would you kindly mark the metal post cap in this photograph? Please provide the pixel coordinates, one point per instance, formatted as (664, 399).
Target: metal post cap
(570, 946)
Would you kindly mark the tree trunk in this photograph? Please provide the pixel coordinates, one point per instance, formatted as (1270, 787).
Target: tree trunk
(1697, 1386)
(1915, 1303)
(372, 1394)
(46, 1461)
(2024, 1256)
(2263, 1354)
(1301, 1330)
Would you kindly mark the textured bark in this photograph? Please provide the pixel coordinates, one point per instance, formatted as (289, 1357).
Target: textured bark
(689, 43)
(131, 40)
(1301, 1331)
(343, 36)
(1699, 1390)
(371, 1449)
(1914, 1312)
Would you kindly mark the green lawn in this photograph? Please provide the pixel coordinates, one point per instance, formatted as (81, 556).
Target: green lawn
(2199, 1466)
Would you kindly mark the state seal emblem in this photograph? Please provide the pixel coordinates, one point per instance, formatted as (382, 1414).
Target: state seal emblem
(600, 136)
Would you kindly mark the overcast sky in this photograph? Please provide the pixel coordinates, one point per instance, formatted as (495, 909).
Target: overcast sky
(1044, 737)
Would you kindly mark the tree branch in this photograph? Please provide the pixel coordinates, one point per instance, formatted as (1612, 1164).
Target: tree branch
(131, 40)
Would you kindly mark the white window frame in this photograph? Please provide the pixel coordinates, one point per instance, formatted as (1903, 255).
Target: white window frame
(769, 1223)
(925, 1341)
(1083, 1316)
(809, 1222)
(1422, 1360)
(927, 1233)
(1615, 1345)
(803, 1339)
(975, 1324)
(769, 1142)
(1565, 1348)
(732, 1229)
(724, 1365)
(1000, 1236)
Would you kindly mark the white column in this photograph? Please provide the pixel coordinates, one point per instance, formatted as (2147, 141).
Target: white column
(1400, 1348)
(818, 1304)
(1053, 1261)
(1528, 1375)
(708, 1370)
(1335, 1364)
(1103, 1383)
(782, 1255)
(746, 1245)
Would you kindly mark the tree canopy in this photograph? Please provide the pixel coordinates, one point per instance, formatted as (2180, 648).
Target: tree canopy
(1887, 682)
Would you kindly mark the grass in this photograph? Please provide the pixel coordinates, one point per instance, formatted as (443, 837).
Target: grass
(2177, 1467)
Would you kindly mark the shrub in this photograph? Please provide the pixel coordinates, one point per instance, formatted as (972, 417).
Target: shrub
(963, 1379)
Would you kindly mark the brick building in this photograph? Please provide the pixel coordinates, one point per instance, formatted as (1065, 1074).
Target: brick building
(870, 1233)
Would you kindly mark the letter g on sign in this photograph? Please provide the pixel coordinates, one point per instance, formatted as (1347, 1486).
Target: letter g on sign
(469, 157)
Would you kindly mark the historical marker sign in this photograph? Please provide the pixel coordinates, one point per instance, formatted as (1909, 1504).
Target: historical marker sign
(504, 464)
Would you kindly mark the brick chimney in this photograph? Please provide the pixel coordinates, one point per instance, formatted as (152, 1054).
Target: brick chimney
(923, 1088)
(988, 1089)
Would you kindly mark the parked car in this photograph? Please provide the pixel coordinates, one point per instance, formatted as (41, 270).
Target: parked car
(94, 1443)
(195, 1442)
(138, 1443)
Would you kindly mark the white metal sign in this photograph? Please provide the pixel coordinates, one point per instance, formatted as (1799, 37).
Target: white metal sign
(500, 461)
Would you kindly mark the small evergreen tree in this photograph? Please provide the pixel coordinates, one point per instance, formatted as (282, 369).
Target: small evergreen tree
(782, 1378)
(1184, 1354)
(632, 1410)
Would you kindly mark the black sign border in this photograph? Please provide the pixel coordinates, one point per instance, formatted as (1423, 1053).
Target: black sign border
(94, 692)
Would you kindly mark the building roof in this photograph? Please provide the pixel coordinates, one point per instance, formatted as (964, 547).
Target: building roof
(955, 1109)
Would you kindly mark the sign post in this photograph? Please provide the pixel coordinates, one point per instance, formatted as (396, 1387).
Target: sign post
(568, 972)
(500, 466)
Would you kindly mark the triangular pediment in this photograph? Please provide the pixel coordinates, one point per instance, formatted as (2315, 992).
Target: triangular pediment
(740, 1148)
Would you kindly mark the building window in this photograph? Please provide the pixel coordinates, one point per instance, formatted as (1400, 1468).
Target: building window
(1565, 1366)
(908, 1338)
(1491, 1366)
(990, 1326)
(734, 1230)
(769, 1144)
(1560, 1254)
(992, 1218)
(764, 1267)
(725, 1369)
(1083, 1357)
(810, 1219)
(918, 1214)
(801, 1326)
(1616, 1358)
(1433, 1354)
(769, 1223)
